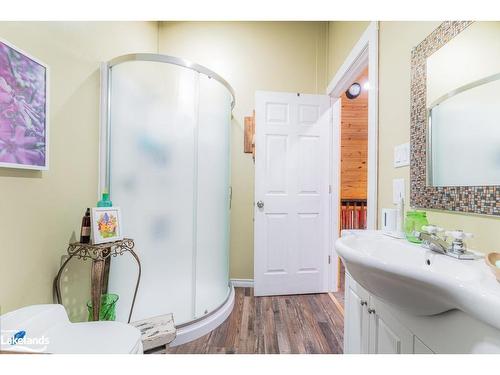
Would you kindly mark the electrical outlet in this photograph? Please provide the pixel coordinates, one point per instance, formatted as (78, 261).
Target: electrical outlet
(398, 189)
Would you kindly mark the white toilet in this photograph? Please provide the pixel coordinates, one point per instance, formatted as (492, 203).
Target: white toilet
(47, 329)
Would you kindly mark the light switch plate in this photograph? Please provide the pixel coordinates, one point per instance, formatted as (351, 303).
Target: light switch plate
(398, 189)
(402, 155)
(405, 154)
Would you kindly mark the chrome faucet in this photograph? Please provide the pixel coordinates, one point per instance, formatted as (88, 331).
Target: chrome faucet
(457, 249)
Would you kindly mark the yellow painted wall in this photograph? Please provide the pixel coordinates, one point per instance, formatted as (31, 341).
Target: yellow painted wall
(276, 56)
(342, 36)
(396, 39)
(40, 212)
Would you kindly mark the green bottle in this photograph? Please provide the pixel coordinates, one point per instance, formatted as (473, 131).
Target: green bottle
(105, 201)
(414, 222)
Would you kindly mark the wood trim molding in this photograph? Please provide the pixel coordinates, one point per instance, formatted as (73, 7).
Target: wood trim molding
(354, 64)
(337, 303)
(363, 54)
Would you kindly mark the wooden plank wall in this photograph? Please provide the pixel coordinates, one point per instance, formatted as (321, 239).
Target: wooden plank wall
(354, 144)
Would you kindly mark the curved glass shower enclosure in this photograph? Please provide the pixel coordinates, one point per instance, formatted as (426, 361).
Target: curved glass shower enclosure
(167, 168)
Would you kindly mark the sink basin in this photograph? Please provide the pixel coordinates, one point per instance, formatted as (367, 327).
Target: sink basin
(417, 280)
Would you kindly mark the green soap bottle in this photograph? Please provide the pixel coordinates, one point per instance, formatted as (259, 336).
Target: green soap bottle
(105, 201)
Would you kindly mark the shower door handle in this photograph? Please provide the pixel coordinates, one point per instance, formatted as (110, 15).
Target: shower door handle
(260, 204)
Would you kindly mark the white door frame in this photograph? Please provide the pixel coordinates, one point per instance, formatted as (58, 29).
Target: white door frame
(364, 54)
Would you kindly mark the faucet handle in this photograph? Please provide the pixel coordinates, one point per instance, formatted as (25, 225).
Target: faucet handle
(432, 229)
(458, 234)
(458, 245)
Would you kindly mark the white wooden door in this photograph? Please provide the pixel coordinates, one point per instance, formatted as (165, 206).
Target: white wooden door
(292, 211)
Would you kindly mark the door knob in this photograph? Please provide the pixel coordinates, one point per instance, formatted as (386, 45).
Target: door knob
(364, 303)
(371, 311)
(260, 204)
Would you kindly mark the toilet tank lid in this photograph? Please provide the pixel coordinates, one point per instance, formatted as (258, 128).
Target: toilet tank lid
(34, 317)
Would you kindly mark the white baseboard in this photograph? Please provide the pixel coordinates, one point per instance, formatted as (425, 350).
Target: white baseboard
(242, 283)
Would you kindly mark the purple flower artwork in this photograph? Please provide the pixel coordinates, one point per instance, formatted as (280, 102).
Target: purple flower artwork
(23, 99)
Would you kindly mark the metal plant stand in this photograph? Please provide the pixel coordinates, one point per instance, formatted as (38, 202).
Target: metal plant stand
(98, 254)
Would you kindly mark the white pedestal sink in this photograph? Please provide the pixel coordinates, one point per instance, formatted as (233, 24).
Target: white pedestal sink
(419, 281)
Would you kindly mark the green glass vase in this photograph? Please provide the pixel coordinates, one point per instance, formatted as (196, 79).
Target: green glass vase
(108, 307)
(414, 222)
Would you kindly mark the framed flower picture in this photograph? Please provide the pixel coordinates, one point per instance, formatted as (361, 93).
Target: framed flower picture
(24, 128)
(106, 224)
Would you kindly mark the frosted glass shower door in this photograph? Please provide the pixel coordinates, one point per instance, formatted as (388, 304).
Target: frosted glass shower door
(153, 117)
(168, 167)
(214, 124)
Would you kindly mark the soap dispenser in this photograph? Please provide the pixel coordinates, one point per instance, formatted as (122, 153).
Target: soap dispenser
(400, 215)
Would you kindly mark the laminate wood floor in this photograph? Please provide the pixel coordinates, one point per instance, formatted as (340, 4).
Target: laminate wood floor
(310, 323)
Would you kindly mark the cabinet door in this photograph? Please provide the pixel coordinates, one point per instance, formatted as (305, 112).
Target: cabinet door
(356, 329)
(387, 334)
(419, 347)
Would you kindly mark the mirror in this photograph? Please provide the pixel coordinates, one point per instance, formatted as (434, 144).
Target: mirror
(455, 119)
(463, 104)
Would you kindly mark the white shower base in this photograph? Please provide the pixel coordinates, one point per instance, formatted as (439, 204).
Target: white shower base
(201, 327)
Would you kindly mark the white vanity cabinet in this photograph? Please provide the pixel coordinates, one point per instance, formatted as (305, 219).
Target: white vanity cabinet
(402, 298)
(356, 318)
(370, 327)
(387, 334)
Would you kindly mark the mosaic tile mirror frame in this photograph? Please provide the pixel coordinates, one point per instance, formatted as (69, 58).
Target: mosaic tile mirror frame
(472, 199)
